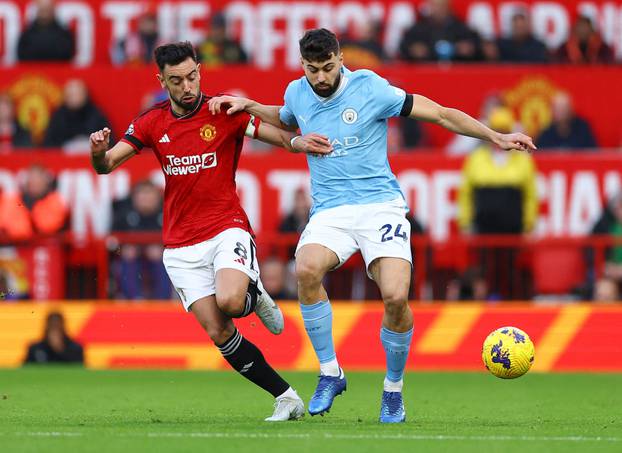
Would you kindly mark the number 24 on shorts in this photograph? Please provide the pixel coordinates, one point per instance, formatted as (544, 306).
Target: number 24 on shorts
(386, 235)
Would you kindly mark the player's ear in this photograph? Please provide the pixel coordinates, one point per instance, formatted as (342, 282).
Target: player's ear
(161, 80)
(341, 57)
(198, 71)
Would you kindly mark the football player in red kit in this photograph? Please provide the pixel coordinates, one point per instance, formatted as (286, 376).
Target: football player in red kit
(209, 252)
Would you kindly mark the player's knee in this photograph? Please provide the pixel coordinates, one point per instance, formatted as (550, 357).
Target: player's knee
(220, 334)
(308, 272)
(231, 302)
(395, 302)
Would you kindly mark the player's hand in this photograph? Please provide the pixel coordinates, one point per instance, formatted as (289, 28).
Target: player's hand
(100, 141)
(516, 141)
(232, 103)
(315, 144)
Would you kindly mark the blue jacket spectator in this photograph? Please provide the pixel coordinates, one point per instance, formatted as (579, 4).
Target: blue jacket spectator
(522, 46)
(567, 131)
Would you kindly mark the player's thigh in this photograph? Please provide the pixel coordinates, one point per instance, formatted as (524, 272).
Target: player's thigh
(231, 286)
(384, 232)
(393, 276)
(191, 274)
(326, 242)
(315, 260)
(218, 326)
(235, 250)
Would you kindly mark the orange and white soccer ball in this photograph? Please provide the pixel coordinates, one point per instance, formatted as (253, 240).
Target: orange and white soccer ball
(508, 352)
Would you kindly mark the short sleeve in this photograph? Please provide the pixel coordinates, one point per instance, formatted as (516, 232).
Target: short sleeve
(136, 134)
(248, 125)
(389, 100)
(286, 114)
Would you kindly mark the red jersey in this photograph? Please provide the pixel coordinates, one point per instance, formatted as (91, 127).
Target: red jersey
(199, 155)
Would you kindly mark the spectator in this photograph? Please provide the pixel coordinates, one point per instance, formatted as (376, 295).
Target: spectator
(139, 272)
(567, 131)
(45, 39)
(606, 290)
(39, 210)
(138, 47)
(498, 191)
(363, 48)
(412, 134)
(55, 346)
(218, 49)
(471, 285)
(521, 46)
(273, 273)
(72, 123)
(498, 196)
(440, 35)
(584, 45)
(297, 219)
(610, 223)
(12, 135)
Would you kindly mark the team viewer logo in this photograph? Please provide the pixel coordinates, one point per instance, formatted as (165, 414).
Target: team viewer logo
(208, 132)
(349, 116)
(177, 166)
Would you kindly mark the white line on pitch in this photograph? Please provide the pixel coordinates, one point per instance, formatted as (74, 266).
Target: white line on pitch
(386, 437)
(380, 436)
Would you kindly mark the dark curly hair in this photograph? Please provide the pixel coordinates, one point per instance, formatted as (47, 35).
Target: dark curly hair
(317, 45)
(174, 53)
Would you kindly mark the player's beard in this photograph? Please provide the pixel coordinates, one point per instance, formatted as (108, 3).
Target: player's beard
(326, 91)
(187, 106)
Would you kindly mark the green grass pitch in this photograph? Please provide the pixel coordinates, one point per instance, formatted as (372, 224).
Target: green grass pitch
(55, 409)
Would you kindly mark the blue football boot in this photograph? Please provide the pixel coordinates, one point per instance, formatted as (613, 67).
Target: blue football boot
(392, 408)
(327, 389)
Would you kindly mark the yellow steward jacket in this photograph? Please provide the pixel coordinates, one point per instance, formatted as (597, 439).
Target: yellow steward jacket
(481, 171)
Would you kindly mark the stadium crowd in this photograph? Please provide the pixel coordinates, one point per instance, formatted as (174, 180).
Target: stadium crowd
(497, 195)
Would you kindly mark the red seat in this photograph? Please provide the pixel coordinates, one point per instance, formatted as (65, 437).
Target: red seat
(558, 269)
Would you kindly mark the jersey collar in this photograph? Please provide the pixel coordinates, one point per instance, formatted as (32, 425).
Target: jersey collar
(191, 113)
(345, 72)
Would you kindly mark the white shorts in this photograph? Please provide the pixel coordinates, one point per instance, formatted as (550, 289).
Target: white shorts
(192, 269)
(378, 230)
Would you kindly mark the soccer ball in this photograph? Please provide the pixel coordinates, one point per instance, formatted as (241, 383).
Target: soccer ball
(508, 352)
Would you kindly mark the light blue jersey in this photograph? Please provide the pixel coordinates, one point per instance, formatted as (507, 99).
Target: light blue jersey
(355, 120)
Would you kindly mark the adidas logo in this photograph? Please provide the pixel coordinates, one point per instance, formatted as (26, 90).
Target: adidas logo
(165, 139)
(246, 367)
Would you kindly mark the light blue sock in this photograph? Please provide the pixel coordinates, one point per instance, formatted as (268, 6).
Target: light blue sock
(396, 346)
(318, 320)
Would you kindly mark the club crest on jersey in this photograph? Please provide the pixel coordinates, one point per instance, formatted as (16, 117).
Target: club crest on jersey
(349, 116)
(130, 130)
(208, 132)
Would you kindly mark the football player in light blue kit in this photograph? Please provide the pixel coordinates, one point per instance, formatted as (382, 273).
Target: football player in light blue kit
(357, 202)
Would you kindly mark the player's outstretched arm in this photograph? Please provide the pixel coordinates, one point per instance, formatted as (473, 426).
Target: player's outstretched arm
(104, 160)
(310, 143)
(268, 113)
(459, 122)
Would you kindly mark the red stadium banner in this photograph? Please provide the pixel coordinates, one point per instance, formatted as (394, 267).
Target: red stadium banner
(572, 188)
(527, 90)
(269, 30)
(571, 337)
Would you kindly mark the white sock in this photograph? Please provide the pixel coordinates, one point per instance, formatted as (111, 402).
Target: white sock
(289, 393)
(330, 368)
(393, 386)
